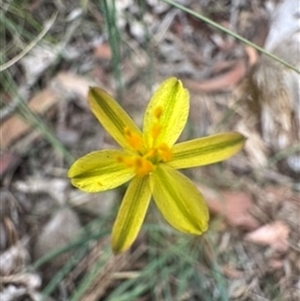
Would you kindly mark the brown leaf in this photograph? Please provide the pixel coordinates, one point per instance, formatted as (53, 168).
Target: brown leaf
(8, 161)
(63, 86)
(231, 272)
(276, 264)
(15, 127)
(71, 85)
(103, 51)
(233, 206)
(274, 235)
(281, 194)
(252, 55)
(221, 82)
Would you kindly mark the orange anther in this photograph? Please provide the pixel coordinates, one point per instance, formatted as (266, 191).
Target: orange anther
(134, 139)
(143, 167)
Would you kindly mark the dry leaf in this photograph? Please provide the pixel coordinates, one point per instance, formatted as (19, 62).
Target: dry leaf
(233, 206)
(12, 293)
(252, 55)
(281, 194)
(13, 260)
(274, 235)
(8, 161)
(103, 51)
(38, 60)
(71, 85)
(276, 264)
(237, 289)
(15, 127)
(221, 82)
(232, 273)
(64, 86)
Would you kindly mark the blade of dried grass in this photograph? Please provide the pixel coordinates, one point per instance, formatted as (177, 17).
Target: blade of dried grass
(30, 45)
(63, 272)
(231, 33)
(106, 277)
(106, 255)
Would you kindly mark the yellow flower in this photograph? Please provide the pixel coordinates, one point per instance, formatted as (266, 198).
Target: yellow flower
(150, 159)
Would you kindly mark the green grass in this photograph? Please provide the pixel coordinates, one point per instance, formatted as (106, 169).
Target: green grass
(114, 38)
(174, 264)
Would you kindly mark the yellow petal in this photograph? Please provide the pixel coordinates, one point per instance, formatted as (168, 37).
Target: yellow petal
(100, 170)
(131, 214)
(114, 119)
(179, 201)
(166, 114)
(207, 150)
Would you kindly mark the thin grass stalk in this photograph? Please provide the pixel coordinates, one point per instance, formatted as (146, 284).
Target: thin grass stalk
(72, 245)
(34, 119)
(89, 278)
(141, 4)
(109, 13)
(231, 33)
(143, 282)
(65, 270)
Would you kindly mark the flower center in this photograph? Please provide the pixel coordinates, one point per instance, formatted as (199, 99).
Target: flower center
(144, 164)
(145, 160)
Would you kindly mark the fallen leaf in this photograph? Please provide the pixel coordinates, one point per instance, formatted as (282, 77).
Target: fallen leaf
(14, 259)
(280, 194)
(237, 289)
(8, 161)
(103, 51)
(64, 86)
(252, 55)
(72, 86)
(233, 206)
(221, 82)
(276, 264)
(38, 60)
(274, 235)
(15, 127)
(232, 273)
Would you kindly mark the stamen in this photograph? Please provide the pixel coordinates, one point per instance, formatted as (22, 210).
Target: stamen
(133, 139)
(142, 166)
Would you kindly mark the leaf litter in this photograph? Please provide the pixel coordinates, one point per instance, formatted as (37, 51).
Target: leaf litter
(259, 237)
